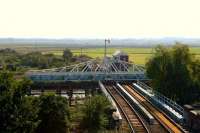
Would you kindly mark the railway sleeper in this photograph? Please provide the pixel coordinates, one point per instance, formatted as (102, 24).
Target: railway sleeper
(136, 105)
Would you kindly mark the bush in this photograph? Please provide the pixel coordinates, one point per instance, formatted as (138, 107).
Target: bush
(53, 114)
(94, 111)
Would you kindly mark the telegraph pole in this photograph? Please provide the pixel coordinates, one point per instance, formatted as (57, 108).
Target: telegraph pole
(105, 50)
(81, 51)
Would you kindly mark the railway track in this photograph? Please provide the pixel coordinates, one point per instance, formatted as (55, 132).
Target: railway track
(167, 123)
(134, 120)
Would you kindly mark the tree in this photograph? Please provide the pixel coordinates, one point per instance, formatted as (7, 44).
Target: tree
(6, 102)
(195, 67)
(195, 70)
(94, 117)
(181, 83)
(20, 113)
(67, 55)
(171, 72)
(26, 116)
(157, 70)
(34, 59)
(53, 114)
(6, 81)
(17, 112)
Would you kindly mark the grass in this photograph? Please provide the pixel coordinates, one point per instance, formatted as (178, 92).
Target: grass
(136, 55)
(195, 50)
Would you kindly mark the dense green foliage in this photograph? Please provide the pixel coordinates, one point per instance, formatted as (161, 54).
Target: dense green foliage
(48, 113)
(94, 112)
(54, 114)
(20, 113)
(11, 60)
(175, 73)
(17, 112)
(67, 56)
(36, 59)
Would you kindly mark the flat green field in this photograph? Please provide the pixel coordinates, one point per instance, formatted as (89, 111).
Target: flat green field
(136, 55)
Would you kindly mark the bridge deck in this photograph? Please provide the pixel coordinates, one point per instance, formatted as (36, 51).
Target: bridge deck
(85, 76)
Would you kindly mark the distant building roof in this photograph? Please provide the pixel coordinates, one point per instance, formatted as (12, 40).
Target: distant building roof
(119, 52)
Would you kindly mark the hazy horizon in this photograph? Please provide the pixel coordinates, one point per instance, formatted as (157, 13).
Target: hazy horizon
(91, 42)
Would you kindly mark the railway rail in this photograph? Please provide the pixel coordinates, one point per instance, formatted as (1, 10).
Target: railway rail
(135, 122)
(166, 122)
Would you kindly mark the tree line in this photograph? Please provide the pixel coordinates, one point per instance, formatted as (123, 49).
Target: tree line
(47, 113)
(175, 72)
(20, 113)
(13, 61)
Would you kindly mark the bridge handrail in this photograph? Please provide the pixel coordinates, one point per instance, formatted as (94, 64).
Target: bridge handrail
(74, 73)
(162, 98)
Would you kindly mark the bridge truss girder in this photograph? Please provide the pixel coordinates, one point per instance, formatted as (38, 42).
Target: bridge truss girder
(92, 70)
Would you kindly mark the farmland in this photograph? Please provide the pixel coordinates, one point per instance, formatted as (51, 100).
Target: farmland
(136, 55)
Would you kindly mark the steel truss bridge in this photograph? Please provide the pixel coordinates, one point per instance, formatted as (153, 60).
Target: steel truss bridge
(92, 70)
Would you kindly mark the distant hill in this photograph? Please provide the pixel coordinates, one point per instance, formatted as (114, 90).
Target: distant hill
(127, 42)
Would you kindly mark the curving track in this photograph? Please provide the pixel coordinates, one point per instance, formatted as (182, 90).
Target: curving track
(168, 124)
(136, 123)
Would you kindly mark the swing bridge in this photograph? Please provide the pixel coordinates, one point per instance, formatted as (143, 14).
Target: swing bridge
(92, 70)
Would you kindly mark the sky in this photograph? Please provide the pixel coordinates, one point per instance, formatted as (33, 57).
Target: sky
(99, 18)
